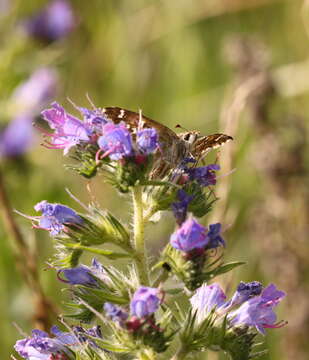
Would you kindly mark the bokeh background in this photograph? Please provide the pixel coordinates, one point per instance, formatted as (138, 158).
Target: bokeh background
(238, 66)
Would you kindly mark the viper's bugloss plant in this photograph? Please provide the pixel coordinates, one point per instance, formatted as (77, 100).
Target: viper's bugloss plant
(167, 307)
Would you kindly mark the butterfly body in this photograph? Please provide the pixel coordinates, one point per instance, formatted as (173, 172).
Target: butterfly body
(174, 147)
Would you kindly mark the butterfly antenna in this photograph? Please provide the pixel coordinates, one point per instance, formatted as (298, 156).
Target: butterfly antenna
(90, 101)
(178, 126)
(73, 104)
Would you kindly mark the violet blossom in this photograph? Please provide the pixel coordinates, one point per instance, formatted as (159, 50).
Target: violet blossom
(145, 301)
(258, 311)
(115, 313)
(35, 92)
(40, 346)
(180, 208)
(147, 141)
(204, 175)
(244, 292)
(214, 238)
(190, 236)
(116, 141)
(17, 137)
(84, 275)
(55, 216)
(53, 22)
(206, 299)
(25, 103)
(69, 131)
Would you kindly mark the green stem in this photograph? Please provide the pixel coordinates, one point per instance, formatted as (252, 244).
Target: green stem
(139, 239)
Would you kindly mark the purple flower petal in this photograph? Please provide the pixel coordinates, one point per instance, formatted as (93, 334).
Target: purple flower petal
(116, 141)
(206, 298)
(145, 302)
(54, 22)
(191, 235)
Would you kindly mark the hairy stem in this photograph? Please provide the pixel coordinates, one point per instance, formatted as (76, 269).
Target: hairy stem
(139, 239)
(26, 263)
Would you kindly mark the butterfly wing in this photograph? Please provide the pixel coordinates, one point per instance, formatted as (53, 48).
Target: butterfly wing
(204, 144)
(171, 146)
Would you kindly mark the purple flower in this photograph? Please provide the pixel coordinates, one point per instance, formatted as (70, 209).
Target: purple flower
(258, 311)
(79, 275)
(116, 141)
(34, 93)
(147, 141)
(204, 175)
(214, 238)
(69, 131)
(39, 346)
(191, 235)
(207, 298)
(77, 336)
(84, 275)
(94, 119)
(54, 22)
(17, 137)
(145, 302)
(26, 101)
(55, 216)
(97, 269)
(65, 338)
(180, 207)
(115, 313)
(244, 292)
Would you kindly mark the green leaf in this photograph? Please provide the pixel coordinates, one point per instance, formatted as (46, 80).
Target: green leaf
(227, 267)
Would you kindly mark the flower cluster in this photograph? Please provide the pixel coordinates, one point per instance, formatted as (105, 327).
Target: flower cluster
(40, 346)
(255, 305)
(142, 314)
(113, 140)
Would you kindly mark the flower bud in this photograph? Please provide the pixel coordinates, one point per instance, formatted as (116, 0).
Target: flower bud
(206, 298)
(190, 236)
(145, 302)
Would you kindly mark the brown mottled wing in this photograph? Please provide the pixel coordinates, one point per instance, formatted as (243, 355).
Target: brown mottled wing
(172, 148)
(206, 143)
(132, 118)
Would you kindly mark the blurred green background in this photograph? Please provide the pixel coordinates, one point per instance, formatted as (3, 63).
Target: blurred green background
(239, 66)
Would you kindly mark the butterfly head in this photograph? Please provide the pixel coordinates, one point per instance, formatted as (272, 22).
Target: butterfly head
(189, 137)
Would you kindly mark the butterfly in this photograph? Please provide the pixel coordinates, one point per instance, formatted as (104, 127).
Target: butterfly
(174, 147)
